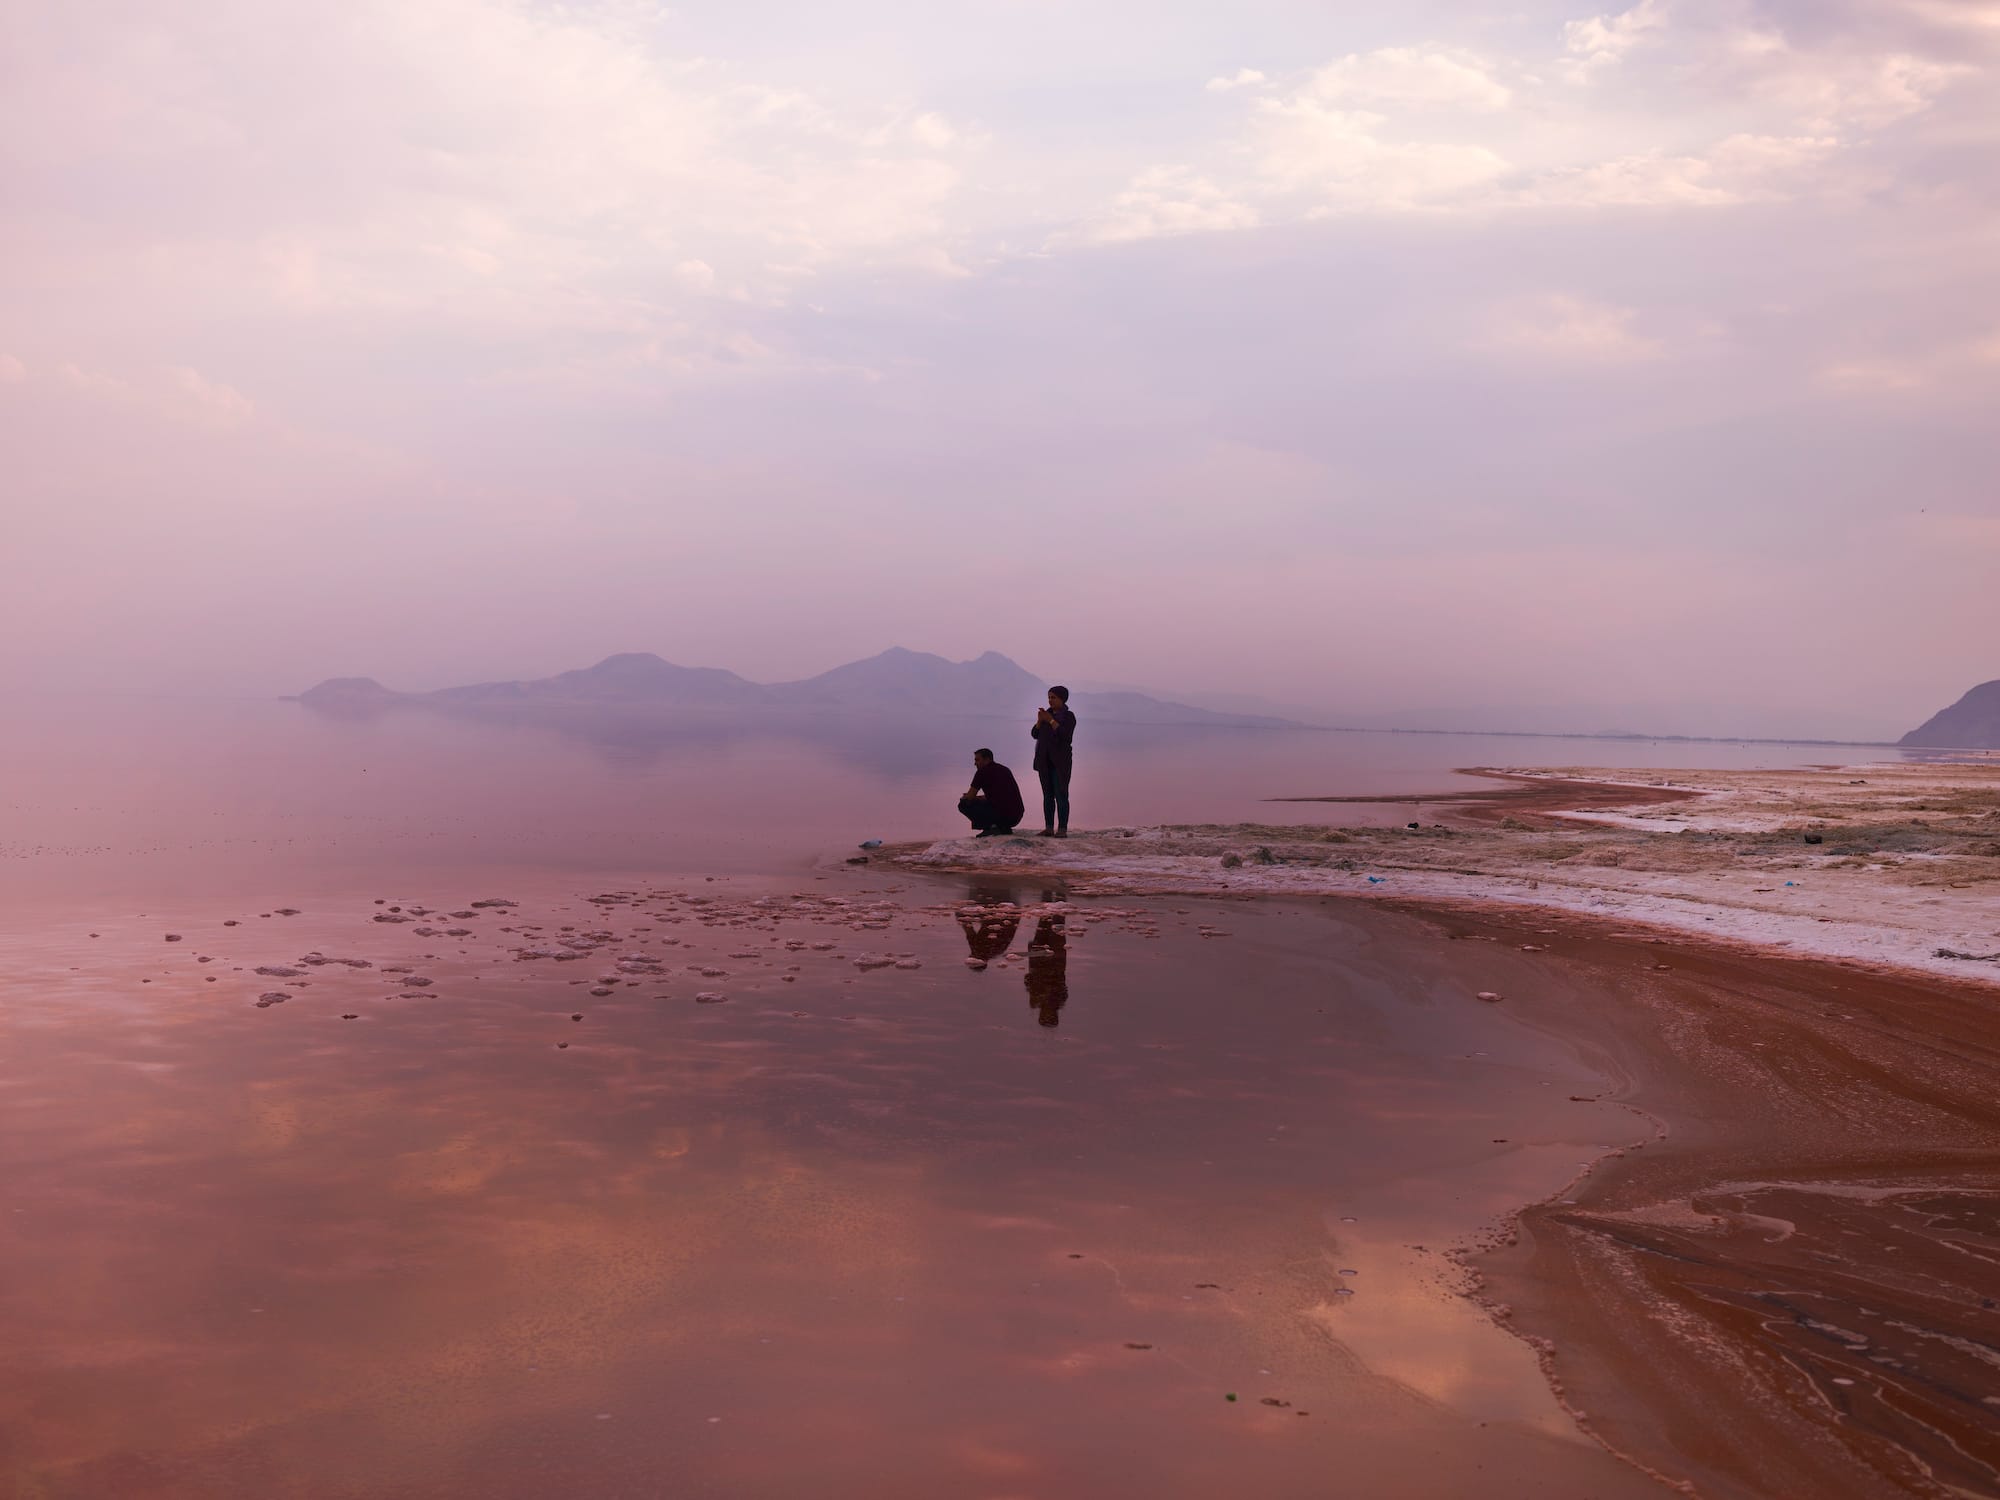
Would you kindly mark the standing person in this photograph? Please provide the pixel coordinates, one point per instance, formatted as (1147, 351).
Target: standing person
(993, 802)
(1055, 727)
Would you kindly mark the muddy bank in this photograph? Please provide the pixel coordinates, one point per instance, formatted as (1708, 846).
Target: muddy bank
(1788, 1282)
(1793, 1286)
(1526, 795)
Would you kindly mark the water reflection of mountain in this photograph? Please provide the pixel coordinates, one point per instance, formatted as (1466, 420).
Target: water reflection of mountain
(891, 744)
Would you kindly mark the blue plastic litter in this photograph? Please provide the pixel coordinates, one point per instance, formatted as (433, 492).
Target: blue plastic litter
(1376, 879)
(1791, 882)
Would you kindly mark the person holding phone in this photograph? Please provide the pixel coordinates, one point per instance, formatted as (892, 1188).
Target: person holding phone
(1054, 728)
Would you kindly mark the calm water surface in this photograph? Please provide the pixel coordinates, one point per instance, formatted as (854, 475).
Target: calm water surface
(130, 799)
(709, 1166)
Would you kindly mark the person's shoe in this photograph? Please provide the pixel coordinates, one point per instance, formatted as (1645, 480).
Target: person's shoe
(986, 833)
(1062, 833)
(1046, 833)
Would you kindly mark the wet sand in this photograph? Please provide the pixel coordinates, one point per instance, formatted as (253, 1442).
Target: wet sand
(1544, 797)
(1787, 1280)
(804, 1202)
(1793, 1286)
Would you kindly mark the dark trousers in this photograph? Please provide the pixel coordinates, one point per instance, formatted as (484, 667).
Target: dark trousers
(980, 813)
(1055, 796)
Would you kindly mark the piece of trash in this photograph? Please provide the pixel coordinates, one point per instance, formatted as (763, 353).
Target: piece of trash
(1273, 1400)
(710, 997)
(1148, 1346)
(1791, 882)
(869, 844)
(1229, 1395)
(1489, 996)
(1375, 879)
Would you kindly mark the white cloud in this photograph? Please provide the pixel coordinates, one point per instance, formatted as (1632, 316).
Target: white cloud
(1969, 15)
(1341, 159)
(1242, 78)
(1601, 41)
(461, 154)
(1568, 329)
(178, 394)
(698, 275)
(1168, 200)
(1870, 376)
(1739, 169)
(206, 401)
(1409, 76)
(1833, 90)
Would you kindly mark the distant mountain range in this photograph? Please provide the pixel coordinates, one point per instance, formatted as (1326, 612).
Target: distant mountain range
(899, 682)
(1972, 723)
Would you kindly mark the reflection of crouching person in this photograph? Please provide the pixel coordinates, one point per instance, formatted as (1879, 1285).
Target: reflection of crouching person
(992, 804)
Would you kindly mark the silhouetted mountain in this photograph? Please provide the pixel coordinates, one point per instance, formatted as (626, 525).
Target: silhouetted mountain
(346, 691)
(899, 682)
(901, 678)
(1972, 723)
(629, 677)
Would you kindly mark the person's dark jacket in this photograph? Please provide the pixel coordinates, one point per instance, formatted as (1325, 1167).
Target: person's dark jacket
(1052, 741)
(1002, 791)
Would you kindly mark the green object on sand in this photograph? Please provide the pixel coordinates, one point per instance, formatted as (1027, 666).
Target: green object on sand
(1229, 1395)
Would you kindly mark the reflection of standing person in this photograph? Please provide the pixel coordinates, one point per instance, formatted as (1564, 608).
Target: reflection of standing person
(1048, 969)
(1055, 727)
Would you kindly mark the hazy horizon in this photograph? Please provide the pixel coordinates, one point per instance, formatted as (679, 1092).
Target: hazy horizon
(1555, 368)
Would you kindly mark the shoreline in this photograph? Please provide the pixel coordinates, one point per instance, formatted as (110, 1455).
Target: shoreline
(1895, 871)
(1785, 1283)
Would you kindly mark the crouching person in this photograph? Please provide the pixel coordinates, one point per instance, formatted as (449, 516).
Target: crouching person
(992, 804)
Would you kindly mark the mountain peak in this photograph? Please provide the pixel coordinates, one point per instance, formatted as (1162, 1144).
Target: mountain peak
(914, 684)
(1972, 723)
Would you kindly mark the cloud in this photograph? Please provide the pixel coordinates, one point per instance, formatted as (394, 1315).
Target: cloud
(1242, 78)
(179, 394)
(1832, 89)
(208, 401)
(1599, 42)
(1168, 200)
(1343, 159)
(1740, 169)
(1409, 76)
(1568, 329)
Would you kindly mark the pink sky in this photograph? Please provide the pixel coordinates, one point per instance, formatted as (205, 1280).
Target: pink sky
(1634, 368)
